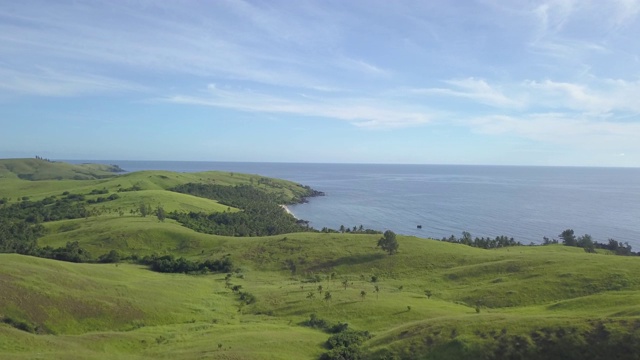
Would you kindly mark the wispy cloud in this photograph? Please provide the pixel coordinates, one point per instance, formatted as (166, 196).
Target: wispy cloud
(601, 96)
(362, 112)
(47, 82)
(477, 90)
(234, 40)
(560, 128)
(608, 95)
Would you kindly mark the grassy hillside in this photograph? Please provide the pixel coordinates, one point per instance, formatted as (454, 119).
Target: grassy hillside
(555, 288)
(540, 302)
(38, 169)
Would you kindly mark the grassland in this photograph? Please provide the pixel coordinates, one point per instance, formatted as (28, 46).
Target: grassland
(478, 298)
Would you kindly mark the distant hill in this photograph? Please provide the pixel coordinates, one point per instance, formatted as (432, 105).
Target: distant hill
(41, 169)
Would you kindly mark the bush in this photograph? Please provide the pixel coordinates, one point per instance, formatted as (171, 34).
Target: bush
(112, 257)
(18, 324)
(348, 338)
(169, 264)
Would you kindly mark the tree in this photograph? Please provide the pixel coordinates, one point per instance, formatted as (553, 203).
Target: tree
(327, 296)
(376, 289)
(144, 209)
(586, 242)
(568, 238)
(112, 257)
(160, 213)
(345, 283)
(466, 238)
(388, 242)
(320, 289)
(428, 293)
(363, 294)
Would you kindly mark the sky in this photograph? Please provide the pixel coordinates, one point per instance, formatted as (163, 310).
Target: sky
(501, 82)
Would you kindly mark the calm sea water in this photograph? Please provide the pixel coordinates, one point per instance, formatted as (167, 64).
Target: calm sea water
(526, 203)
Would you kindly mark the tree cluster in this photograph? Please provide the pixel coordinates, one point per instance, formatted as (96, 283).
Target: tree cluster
(484, 243)
(72, 252)
(586, 242)
(355, 230)
(169, 264)
(344, 343)
(47, 209)
(19, 236)
(239, 196)
(261, 213)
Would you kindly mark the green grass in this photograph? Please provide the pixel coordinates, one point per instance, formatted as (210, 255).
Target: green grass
(127, 311)
(36, 169)
(525, 298)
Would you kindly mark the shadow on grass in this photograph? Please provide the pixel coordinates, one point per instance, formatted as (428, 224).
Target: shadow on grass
(348, 260)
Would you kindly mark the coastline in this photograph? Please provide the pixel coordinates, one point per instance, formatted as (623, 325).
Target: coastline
(289, 211)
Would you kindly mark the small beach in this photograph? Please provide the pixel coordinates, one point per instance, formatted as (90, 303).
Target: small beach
(288, 211)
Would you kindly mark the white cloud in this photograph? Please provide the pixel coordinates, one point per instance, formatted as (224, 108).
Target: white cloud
(577, 131)
(604, 96)
(234, 40)
(474, 89)
(599, 96)
(362, 112)
(47, 82)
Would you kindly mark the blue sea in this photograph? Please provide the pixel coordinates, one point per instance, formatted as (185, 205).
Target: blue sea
(526, 203)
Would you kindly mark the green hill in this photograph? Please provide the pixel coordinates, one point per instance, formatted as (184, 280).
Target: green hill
(39, 169)
(523, 302)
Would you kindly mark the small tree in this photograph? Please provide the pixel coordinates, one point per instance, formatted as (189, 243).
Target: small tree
(376, 289)
(428, 293)
(345, 283)
(160, 213)
(569, 238)
(586, 242)
(327, 296)
(143, 209)
(363, 294)
(388, 242)
(320, 289)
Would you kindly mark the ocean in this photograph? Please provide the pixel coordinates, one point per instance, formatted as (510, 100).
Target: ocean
(526, 203)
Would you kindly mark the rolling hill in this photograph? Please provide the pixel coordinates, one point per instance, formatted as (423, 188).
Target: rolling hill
(431, 300)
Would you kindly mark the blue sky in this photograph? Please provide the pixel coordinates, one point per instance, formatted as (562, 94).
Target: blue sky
(428, 82)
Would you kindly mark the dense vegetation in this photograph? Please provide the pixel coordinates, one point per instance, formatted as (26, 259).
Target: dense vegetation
(169, 264)
(482, 242)
(239, 196)
(261, 212)
(589, 245)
